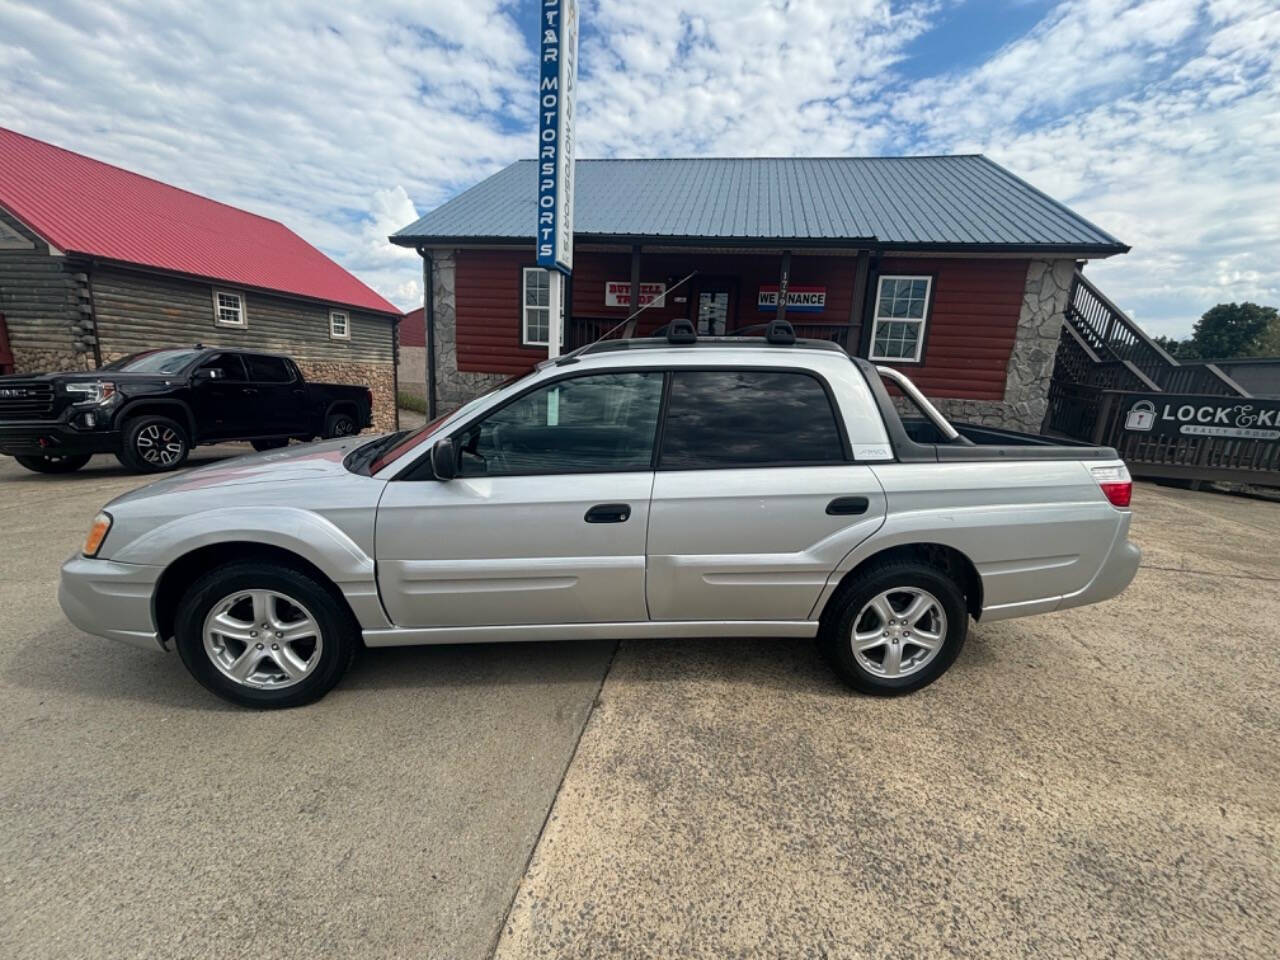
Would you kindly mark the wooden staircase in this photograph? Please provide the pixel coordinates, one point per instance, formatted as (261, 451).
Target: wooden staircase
(1102, 349)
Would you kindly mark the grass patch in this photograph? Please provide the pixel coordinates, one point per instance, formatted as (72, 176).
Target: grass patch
(411, 401)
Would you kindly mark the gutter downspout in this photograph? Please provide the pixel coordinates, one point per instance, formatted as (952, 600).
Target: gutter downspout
(429, 326)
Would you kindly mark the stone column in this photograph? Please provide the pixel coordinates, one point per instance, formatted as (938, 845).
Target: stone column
(1044, 304)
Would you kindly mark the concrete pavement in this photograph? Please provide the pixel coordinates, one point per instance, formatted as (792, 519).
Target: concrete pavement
(143, 817)
(1103, 782)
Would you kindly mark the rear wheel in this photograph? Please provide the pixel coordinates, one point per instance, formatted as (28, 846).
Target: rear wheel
(153, 443)
(339, 425)
(895, 629)
(265, 636)
(53, 464)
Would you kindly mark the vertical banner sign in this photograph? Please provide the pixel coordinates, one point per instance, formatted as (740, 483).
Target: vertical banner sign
(556, 89)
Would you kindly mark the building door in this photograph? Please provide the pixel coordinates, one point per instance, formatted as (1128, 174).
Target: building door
(714, 307)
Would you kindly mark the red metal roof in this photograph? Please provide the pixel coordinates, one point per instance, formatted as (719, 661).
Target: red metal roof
(81, 205)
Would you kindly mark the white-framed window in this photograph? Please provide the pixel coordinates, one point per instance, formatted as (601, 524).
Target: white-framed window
(535, 298)
(228, 309)
(339, 325)
(901, 314)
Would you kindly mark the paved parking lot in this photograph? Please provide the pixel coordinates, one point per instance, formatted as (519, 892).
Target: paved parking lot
(1100, 782)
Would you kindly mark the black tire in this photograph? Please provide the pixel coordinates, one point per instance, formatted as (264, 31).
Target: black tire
(340, 425)
(338, 632)
(835, 636)
(153, 444)
(52, 464)
(263, 445)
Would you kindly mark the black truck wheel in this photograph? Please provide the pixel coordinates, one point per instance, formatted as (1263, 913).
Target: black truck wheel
(153, 443)
(52, 464)
(339, 425)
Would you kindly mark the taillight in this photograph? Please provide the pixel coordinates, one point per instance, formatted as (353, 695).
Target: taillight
(1116, 484)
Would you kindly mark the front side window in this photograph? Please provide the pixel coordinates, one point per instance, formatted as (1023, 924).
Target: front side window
(748, 418)
(536, 298)
(267, 369)
(229, 367)
(902, 307)
(589, 424)
(228, 309)
(339, 325)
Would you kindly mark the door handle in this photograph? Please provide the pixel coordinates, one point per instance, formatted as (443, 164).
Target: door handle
(248, 390)
(608, 513)
(847, 506)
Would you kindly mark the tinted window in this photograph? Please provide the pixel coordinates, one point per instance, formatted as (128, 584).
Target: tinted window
(743, 418)
(604, 422)
(229, 364)
(267, 369)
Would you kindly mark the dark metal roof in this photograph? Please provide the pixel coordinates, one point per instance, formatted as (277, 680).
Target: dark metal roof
(900, 202)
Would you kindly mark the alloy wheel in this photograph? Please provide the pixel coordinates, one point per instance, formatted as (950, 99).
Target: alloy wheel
(898, 632)
(262, 639)
(159, 445)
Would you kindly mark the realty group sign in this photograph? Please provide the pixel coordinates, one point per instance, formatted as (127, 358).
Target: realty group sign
(1245, 419)
(558, 22)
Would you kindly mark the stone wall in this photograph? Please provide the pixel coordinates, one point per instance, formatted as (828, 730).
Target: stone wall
(1026, 392)
(376, 376)
(453, 386)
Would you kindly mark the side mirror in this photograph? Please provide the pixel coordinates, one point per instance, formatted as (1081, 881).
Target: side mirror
(444, 461)
(208, 373)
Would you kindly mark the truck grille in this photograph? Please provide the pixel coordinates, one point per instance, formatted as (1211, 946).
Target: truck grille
(20, 401)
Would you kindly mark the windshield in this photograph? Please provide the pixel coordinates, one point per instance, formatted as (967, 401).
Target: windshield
(412, 439)
(154, 361)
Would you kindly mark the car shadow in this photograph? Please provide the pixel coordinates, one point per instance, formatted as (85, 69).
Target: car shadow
(106, 466)
(68, 662)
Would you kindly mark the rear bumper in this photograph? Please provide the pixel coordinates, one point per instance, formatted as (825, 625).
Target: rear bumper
(56, 437)
(1117, 573)
(110, 599)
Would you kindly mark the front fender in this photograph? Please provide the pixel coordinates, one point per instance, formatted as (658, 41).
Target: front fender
(308, 534)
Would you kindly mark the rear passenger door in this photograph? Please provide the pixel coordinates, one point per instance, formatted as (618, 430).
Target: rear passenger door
(756, 498)
(279, 395)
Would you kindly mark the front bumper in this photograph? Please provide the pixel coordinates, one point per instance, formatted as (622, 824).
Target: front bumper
(55, 438)
(110, 599)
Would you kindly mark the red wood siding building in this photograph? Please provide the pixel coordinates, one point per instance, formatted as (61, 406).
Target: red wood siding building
(950, 268)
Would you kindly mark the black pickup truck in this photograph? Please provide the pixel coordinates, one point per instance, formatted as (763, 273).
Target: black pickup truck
(151, 408)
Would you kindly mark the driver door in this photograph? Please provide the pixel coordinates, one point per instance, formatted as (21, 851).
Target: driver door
(545, 522)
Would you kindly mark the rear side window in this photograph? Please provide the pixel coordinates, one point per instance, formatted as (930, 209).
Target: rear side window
(748, 418)
(267, 369)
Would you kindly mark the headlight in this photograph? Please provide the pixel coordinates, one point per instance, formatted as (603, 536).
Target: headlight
(97, 533)
(100, 391)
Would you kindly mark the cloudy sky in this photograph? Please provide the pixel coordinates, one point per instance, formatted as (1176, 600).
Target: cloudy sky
(1157, 119)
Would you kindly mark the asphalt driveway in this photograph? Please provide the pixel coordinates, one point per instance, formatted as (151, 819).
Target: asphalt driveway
(1101, 782)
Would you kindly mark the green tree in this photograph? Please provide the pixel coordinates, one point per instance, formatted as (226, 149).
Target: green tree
(1231, 330)
(1269, 342)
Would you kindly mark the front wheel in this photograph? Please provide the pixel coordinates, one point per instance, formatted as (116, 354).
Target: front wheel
(153, 443)
(263, 635)
(895, 629)
(52, 464)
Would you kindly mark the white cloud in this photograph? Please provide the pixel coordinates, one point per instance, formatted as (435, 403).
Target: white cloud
(1158, 119)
